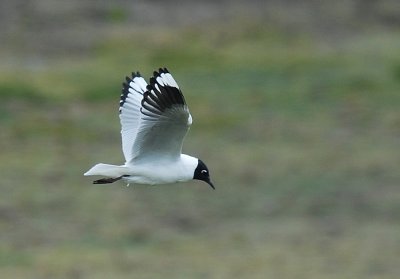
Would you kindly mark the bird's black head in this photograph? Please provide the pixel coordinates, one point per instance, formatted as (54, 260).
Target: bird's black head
(202, 173)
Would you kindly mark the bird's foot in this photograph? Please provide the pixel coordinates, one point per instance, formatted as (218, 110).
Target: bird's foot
(107, 180)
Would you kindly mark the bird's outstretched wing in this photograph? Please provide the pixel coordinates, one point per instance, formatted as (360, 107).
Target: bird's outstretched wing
(164, 120)
(129, 111)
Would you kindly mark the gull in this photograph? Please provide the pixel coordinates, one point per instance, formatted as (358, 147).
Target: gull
(154, 122)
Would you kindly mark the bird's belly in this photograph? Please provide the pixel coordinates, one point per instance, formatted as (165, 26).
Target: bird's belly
(149, 180)
(156, 175)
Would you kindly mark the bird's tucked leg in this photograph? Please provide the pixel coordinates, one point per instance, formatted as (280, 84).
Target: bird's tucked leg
(107, 180)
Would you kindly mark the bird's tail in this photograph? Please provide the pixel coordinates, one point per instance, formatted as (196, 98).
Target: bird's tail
(107, 170)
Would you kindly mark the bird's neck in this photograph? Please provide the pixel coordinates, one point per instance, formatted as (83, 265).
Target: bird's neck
(189, 162)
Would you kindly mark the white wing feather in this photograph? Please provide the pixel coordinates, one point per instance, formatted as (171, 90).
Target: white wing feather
(129, 111)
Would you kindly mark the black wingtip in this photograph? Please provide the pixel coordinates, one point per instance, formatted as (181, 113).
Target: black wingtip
(160, 95)
(124, 91)
(135, 75)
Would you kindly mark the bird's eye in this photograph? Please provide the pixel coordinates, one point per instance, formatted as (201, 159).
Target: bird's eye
(203, 171)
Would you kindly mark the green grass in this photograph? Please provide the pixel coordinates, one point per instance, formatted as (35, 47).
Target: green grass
(301, 139)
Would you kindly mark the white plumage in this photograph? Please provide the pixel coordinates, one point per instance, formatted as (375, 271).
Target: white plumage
(154, 121)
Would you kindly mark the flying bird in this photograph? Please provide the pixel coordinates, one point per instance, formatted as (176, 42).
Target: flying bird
(154, 121)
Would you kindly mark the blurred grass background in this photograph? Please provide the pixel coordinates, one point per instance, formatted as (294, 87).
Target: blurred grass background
(296, 112)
